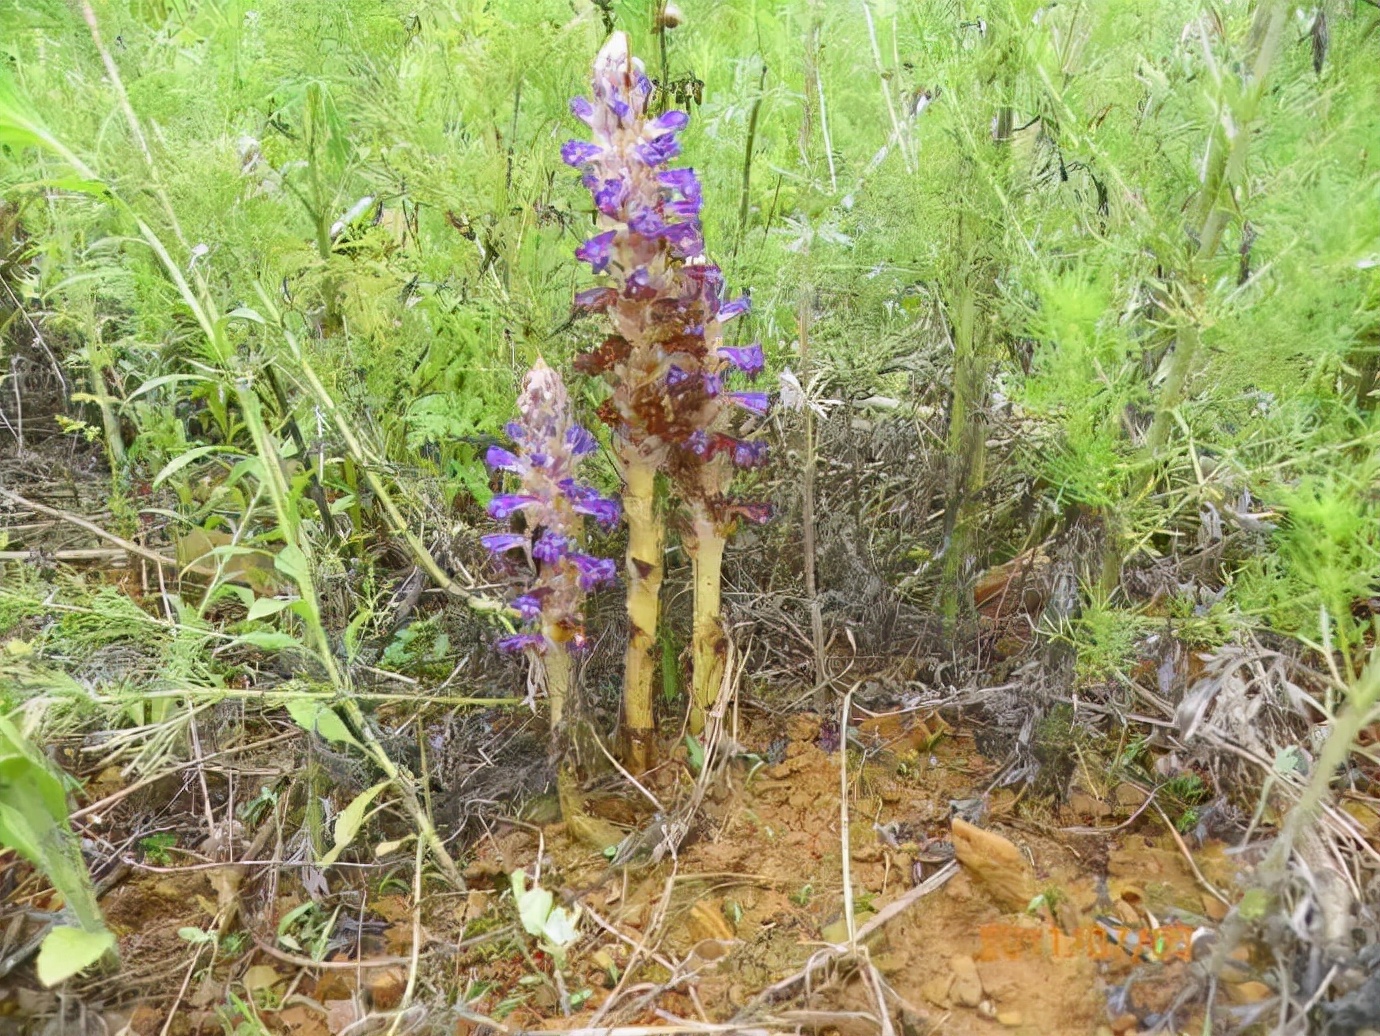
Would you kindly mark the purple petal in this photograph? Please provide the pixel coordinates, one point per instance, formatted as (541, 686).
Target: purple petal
(602, 509)
(609, 195)
(551, 547)
(713, 385)
(747, 358)
(639, 285)
(596, 300)
(594, 571)
(580, 440)
(737, 307)
(597, 250)
(582, 109)
(520, 642)
(527, 606)
(684, 239)
(755, 402)
(502, 542)
(579, 152)
(502, 460)
(515, 430)
(647, 223)
(683, 180)
(698, 443)
(670, 122)
(505, 505)
(689, 209)
(675, 376)
(643, 85)
(659, 151)
(749, 454)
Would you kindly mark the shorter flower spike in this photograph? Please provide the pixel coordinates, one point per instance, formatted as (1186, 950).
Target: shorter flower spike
(548, 446)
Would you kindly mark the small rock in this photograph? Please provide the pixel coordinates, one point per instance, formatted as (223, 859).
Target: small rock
(1129, 795)
(1084, 805)
(996, 864)
(1215, 909)
(1123, 1023)
(936, 990)
(1247, 992)
(1126, 913)
(1011, 1019)
(987, 1009)
(967, 986)
(386, 988)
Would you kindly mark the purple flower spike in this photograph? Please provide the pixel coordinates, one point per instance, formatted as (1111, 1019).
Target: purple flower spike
(672, 122)
(579, 152)
(527, 606)
(580, 440)
(501, 460)
(505, 505)
(550, 548)
(747, 358)
(582, 110)
(754, 402)
(520, 642)
(597, 250)
(502, 542)
(594, 571)
(737, 307)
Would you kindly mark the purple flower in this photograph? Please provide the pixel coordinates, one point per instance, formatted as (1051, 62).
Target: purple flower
(594, 571)
(597, 250)
(514, 430)
(501, 460)
(738, 306)
(639, 285)
(676, 377)
(684, 238)
(505, 505)
(647, 223)
(602, 509)
(659, 151)
(579, 152)
(580, 440)
(671, 122)
(748, 453)
(683, 180)
(582, 109)
(608, 196)
(713, 384)
(754, 402)
(502, 542)
(697, 442)
(520, 642)
(527, 606)
(550, 548)
(596, 300)
(747, 358)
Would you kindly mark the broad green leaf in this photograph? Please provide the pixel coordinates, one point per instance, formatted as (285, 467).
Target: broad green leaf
(350, 820)
(266, 606)
(292, 563)
(67, 951)
(269, 640)
(318, 717)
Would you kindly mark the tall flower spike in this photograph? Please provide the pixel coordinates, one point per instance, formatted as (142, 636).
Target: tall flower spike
(548, 448)
(665, 363)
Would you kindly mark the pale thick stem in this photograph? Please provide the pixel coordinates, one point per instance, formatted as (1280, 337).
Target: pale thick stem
(558, 669)
(646, 535)
(706, 548)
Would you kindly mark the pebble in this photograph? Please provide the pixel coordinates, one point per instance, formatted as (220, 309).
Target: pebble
(1010, 1019)
(967, 986)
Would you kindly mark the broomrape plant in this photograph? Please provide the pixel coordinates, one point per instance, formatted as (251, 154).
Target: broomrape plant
(664, 362)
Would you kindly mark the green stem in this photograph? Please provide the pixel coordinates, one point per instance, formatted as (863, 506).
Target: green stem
(706, 548)
(646, 536)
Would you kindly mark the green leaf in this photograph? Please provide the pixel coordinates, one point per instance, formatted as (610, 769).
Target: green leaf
(67, 951)
(265, 606)
(269, 640)
(182, 460)
(292, 563)
(350, 820)
(695, 751)
(318, 717)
